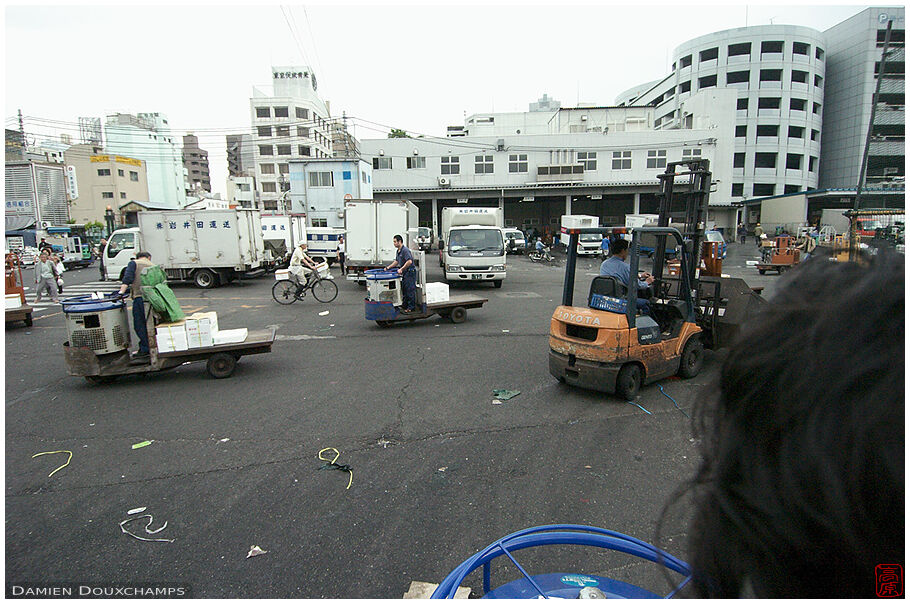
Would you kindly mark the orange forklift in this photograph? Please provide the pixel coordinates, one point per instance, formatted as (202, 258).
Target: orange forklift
(607, 345)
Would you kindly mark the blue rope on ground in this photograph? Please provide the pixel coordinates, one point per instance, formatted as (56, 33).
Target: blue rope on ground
(640, 407)
(671, 398)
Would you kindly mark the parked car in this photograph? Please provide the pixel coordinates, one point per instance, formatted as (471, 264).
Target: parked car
(719, 238)
(520, 243)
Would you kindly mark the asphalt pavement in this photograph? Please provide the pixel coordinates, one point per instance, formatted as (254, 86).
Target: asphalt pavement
(439, 471)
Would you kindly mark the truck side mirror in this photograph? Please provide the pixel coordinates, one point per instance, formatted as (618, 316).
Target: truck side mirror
(442, 244)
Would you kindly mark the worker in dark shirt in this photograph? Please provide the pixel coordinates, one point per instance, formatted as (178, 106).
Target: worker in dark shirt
(405, 263)
(132, 281)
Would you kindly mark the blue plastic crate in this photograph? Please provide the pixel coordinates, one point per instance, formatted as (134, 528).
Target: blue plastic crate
(608, 303)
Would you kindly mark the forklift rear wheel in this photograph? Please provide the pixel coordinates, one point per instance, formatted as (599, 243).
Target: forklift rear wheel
(204, 279)
(692, 358)
(221, 365)
(458, 314)
(100, 379)
(628, 382)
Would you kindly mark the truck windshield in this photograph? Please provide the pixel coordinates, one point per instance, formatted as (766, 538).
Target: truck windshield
(423, 232)
(591, 237)
(465, 241)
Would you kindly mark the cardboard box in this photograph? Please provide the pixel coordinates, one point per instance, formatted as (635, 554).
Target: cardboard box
(199, 332)
(211, 316)
(436, 292)
(172, 337)
(13, 301)
(230, 336)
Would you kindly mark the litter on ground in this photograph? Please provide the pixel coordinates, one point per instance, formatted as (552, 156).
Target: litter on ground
(505, 395)
(331, 465)
(135, 511)
(144, 443)
(255, 550)
(147, 529)
(68, 459)
(323, 313)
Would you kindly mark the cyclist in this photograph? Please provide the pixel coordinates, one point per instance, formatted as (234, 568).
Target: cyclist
(301, 263)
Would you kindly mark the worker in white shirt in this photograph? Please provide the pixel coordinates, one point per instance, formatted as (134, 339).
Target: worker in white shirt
(301, 263)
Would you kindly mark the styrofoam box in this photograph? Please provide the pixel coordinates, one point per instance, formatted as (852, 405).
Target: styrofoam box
(199, 332)
(230, 336)
(322, 269)
(282, 274)
(13, 301)
(579, 221)
(212, 316)
(171, 337)
(436, 292)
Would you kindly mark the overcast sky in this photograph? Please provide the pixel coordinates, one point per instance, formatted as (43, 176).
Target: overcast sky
(420, 68)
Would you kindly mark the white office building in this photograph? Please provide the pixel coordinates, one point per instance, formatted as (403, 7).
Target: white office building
(290, 122)
(148, 137)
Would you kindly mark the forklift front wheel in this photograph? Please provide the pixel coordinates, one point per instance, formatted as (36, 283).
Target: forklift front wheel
(628, 382)
(693, 356)
(221, 365)
(458, 314)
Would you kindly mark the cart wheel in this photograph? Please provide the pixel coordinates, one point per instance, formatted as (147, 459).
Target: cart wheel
(284, 291)
(628, 382)
(325, 290)
(692, 358)
(761, 271)
(28, 320)
(221, 365)
(204, 279)
(458, 314)
(100, 379)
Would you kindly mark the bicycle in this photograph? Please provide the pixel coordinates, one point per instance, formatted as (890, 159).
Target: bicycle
(288, 291)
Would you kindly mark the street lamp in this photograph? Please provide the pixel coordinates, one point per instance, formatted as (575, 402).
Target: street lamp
(109, 218)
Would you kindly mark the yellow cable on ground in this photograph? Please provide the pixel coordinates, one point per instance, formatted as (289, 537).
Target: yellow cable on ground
(52, 453)
(340, 467)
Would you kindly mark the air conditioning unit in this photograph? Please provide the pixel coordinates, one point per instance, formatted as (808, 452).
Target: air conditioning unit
(45, 224)
(444, 181)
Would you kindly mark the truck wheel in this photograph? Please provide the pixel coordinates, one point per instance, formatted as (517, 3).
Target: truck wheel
(221, 365)
(28, 320)
(628, 382)
(497, 284)
(204, 278)
(458, 314)
(692, 358)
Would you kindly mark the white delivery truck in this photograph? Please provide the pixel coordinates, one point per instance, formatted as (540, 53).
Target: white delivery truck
(425, 239)
(471, 247)
(281, 233)
(207, 247)
(634, 221)
(370, 225)
(322, 243)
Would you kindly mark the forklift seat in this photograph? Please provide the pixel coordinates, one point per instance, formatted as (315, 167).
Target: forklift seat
(607, 286)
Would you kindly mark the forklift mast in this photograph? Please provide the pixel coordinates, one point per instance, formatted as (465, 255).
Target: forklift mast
(689, 198)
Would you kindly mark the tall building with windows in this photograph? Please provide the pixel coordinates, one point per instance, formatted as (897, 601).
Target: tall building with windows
(854, 51)
(778, 72)
(240, 156)
(196, 164)
(289, 122)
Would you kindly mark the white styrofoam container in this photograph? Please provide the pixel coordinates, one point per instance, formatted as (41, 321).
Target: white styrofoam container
(230, 336)
(171, 337)
(322, 269)
(436, 292)
(212, 316)
(282, 274)
(579, 221)
(199, 333)
(13, 301)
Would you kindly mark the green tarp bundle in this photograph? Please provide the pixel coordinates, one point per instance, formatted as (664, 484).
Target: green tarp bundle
(155, 291)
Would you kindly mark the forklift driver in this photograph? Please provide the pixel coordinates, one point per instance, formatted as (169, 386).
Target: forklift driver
(615, 266)
(404, 261)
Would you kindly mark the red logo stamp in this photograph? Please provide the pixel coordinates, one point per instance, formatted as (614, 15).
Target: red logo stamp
(889, 581)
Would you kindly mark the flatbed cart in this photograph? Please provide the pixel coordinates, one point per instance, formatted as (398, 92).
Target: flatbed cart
(22, 312)
(99, 339)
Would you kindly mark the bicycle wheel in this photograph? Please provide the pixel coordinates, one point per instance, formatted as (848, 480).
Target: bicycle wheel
(324, 290)
(284, 291)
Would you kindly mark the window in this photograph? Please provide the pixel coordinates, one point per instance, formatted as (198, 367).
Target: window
(518, 163)
(690, 153)
(241, 186)
(686, 61)
(264, 130)
(266, 150)
(796, 132)
(797, 104)
(622, 160)
(363, 177)
(657, 158)
(263, 112)
(814, 135)
(737, 189)
(737, 77)
(483, 164)
(707, 55)
(766, 160)
(104, 172)
(282, 131)
(791, 189)
(449, 165)
(772, 46)
(735, 50)
(134, 176)
(302, 113)
(741, 131)
(321, 179)
(417, 163)
(281, 111)
(818, 81)
(742, 104)
(800, 48)
(107, 195)
(799, 76)
(119, 172)
(284, 149)
(794, 161)
(382, 163)
(588, 158)
(739, 160)
(303, 132)
(766, 130)
(707, 81)
(769, 102)
(770, 75)
(283, 168)
(267, 168)
(762, 190)
(303, 150)
(819, 53)
(122, 195)
(269, 187)
(812, 162)
(816, 108)
(320, 222)
(685, 87)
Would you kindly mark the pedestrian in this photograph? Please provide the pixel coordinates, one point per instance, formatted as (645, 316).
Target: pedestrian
(605, 246)
(101, 248)
(758, 233)
(58, 264)
(341, 253)
(132, 281)
(741, 231)
(404, 261)
(44, 245)
(46, 277)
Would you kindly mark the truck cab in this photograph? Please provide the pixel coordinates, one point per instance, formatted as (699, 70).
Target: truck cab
(122, 246)
(424, 239)
(473, 248)
(589, 244)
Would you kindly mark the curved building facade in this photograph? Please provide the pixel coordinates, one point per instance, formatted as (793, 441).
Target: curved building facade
(779, 72)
